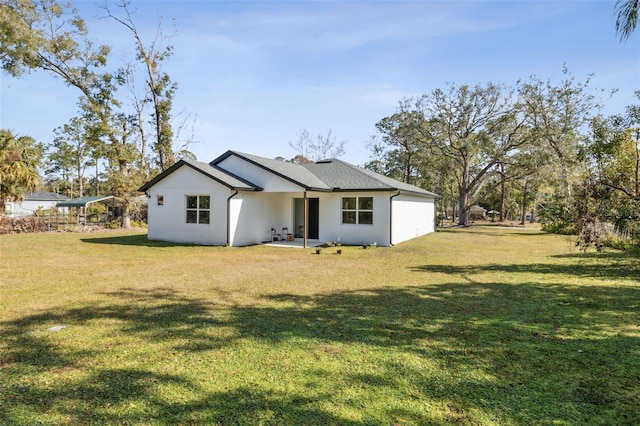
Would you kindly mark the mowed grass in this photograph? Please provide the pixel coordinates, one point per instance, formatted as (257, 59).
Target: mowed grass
(463, 326)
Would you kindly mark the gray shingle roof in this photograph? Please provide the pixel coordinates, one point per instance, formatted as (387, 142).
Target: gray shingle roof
(343, 176)
(44, 196)
(290, 171)
(326, 175)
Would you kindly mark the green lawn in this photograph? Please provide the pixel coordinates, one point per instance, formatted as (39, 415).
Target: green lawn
(464, 326)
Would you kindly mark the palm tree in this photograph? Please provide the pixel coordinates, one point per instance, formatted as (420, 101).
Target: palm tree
(627, 17)
(19, 160)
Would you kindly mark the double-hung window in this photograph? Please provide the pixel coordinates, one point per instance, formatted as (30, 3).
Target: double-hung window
(357, 210)
(198, 209)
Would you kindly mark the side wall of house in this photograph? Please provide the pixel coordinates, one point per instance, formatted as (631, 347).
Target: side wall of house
(411, 217)
(167, 222)
(331, 226)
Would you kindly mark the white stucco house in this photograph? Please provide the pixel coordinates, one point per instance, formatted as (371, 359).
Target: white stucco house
(241, 199)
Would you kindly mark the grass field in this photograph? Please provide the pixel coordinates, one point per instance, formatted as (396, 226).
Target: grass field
(464, 326)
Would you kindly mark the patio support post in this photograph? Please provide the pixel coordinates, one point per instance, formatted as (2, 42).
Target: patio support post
(304, 230)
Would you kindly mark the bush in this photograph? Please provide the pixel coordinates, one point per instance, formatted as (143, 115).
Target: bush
(614, 242)
(556, 216)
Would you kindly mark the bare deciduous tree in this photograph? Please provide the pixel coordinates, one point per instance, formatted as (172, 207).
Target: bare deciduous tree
(319, 148)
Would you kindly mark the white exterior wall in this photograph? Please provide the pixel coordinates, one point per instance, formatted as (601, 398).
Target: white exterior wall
(411, 217)
(168, 221)
(253, 214)
(332, 228)
(28, 207)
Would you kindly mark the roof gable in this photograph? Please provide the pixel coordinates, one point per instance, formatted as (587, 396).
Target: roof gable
(221, 176)
(291, 172)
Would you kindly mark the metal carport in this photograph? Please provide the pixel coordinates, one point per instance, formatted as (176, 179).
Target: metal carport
(82, 203)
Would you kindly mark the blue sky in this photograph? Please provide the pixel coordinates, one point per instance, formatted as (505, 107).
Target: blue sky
(253, 75)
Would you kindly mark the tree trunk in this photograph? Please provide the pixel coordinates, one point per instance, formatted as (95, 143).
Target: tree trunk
(97, 178)
(524, 203)
(637, 165)
(407, 170)
(503, 193)
(462, 206)
(80, 180)
(463, 190)
(126, 216)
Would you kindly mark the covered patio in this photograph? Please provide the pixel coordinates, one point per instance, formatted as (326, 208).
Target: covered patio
(295, 243)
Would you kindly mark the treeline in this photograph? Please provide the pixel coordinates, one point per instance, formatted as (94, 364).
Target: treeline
(125, 128)
(537, 149)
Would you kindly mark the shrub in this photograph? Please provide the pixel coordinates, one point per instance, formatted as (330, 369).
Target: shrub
(556, 217)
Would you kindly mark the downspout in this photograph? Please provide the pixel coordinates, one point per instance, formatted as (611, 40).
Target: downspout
(391, 217)
(229, 217)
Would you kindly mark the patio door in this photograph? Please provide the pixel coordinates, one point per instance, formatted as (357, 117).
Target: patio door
(313, 218)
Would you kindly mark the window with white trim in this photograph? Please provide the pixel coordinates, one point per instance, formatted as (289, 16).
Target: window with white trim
(198, 209)
(357, 210)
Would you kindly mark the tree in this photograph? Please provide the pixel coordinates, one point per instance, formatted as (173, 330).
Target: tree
(613, 182)
(513, 188)
(159, 89)
(475, 129)
(627, 17)
(73, 149)
(19, 160)
(53, 37)
(558, 113)
(409, 161)
(47, 35)
(400, 133)
(319, 148)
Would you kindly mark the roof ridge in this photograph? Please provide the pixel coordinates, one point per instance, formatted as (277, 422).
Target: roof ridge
(298, 177)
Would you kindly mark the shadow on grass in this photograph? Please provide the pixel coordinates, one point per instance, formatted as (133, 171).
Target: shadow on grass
(494, 231)
(522, 354)
(625, 272)
(608, 266)
(133, 396)
(139, 240)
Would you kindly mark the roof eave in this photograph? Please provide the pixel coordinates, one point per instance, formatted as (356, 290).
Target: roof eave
(401, 191)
